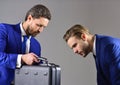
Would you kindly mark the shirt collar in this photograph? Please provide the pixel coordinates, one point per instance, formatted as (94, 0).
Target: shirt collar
(94, 46)
(22, 30)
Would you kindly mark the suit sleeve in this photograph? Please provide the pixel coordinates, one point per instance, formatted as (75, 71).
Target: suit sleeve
(114, 63)
(6, 59)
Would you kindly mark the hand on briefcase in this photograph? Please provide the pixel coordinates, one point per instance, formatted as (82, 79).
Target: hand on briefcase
(42, 74)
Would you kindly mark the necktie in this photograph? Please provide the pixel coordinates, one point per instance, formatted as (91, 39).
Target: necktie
(94, 56)
(24, 44)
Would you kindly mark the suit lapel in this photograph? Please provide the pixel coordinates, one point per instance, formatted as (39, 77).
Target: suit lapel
(17, 36)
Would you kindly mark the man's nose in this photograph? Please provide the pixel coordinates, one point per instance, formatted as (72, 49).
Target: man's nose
(41, 29)
(75, 50)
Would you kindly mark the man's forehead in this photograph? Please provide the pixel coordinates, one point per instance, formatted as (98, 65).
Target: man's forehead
(71, 41)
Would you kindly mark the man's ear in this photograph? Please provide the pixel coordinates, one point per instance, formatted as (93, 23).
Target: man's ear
(29, 17)
(83, 36)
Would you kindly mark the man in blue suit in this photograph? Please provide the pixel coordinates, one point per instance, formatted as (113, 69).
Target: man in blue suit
(106, 51)
(11, 38)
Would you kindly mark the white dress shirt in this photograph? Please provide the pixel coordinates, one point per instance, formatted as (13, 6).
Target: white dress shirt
(27, 46)
(94, 46)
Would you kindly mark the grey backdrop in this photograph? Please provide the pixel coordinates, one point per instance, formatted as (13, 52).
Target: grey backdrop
(100, 16)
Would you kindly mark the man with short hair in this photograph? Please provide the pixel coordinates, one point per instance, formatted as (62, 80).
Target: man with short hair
(106, 51)
(12, 51)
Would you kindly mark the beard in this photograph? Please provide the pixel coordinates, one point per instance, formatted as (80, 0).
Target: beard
(86, 53)
(29, 32)
(87, 50)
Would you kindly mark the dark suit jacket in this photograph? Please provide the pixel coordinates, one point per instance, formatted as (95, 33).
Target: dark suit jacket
(108, 60)
(10, 47)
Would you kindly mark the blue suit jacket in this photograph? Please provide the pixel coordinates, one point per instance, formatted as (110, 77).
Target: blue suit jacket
(108, 60)
(10, 47)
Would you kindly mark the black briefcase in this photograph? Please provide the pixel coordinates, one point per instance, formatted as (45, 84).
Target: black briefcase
(42, 74)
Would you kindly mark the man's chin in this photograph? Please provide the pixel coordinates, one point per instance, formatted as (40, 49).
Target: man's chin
(84, 56)
(34, 35)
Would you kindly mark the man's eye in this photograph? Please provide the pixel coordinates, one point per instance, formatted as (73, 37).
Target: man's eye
(74, 45)
(40, 26)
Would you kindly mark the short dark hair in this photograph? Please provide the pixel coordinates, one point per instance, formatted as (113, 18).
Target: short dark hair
(38, 11)
(76, 31)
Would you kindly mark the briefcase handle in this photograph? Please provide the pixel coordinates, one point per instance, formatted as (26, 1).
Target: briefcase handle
(42, 58)
(45, 61)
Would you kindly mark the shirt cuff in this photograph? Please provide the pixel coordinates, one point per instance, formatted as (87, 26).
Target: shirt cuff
(19, 61)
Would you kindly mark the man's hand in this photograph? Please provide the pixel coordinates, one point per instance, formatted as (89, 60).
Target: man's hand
(30, 58)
